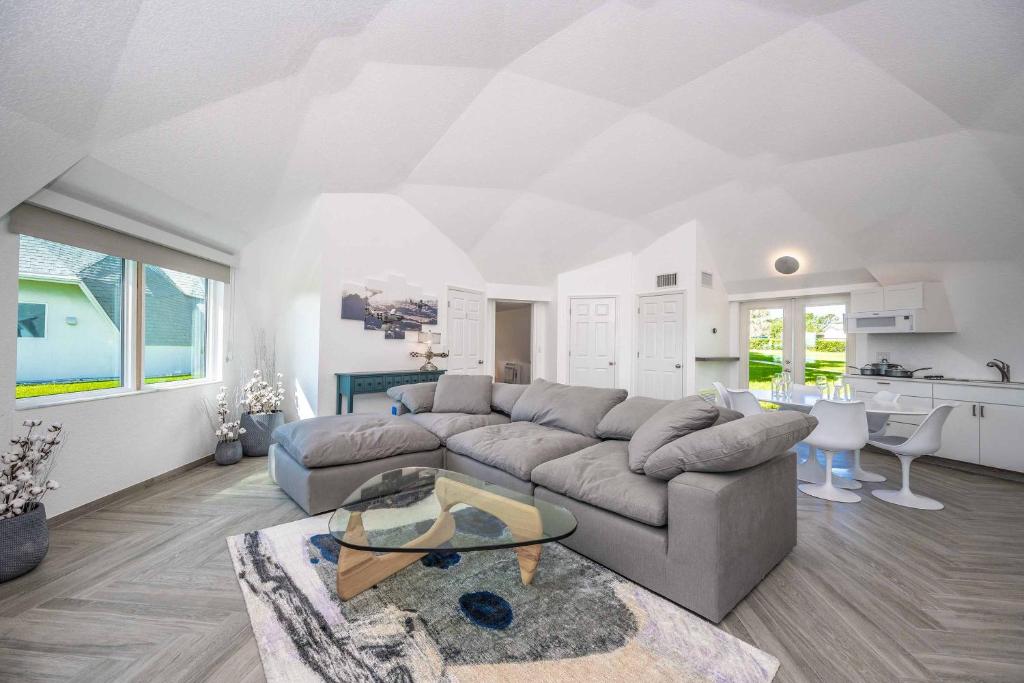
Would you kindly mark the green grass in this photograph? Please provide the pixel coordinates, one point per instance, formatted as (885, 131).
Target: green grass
(54, 388)
(764, 365)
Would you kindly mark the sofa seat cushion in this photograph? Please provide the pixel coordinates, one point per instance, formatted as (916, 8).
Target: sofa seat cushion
(576, 409)
(600, 476)
(518, 447)
(344, 439)
(446, 425)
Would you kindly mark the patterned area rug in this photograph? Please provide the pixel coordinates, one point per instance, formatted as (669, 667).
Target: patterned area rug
(467, 617)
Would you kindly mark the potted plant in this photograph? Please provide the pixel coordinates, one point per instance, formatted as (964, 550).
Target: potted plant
(229, 448)
(261, 413)
(24, 480)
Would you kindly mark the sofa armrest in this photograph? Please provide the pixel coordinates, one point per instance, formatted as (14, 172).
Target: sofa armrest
(727, 530)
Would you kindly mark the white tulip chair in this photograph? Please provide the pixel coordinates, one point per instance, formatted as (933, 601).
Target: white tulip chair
(926, 440)
(842, 426)
(744, 402)
(723, 394)
(877, 424)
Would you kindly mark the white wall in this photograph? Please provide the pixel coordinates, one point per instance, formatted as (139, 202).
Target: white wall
(987, 299)
(364, 236)
(112, 443)
(625, 276)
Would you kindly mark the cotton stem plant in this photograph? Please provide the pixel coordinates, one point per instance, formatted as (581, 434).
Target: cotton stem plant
(226, 431)
(259, 396)
(25, 468)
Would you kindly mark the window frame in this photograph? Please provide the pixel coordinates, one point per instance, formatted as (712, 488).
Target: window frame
(46, 318)
(133, 344)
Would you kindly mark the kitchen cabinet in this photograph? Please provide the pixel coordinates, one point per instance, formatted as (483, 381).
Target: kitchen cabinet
(1002, 437)
(961, 435)
(866, 300)
(903, 297)
(985, 428)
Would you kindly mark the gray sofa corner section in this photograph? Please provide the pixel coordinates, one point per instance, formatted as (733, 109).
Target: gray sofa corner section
(727, 531)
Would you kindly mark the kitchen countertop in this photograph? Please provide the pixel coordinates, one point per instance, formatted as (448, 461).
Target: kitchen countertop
(962, 382)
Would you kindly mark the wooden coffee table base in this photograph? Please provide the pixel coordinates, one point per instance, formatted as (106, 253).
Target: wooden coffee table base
(359, 570)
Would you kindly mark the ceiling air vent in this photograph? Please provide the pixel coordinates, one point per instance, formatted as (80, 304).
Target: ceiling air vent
(707, 279)
(667, 280)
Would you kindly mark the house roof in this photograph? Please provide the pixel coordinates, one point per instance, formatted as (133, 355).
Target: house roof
(171, 296)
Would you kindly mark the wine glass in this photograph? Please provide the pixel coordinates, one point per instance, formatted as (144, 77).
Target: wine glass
(822, 383)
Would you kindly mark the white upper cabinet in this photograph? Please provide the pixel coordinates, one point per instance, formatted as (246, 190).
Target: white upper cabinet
(866, 300)
(903, 297)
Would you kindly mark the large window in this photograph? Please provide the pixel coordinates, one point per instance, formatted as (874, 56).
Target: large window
(70, 304)
(82, 324)
(175, 325)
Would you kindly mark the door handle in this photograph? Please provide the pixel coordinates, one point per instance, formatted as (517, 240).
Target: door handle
(479, 362)
(678, 365)
(982, 409)
(974, 410)
(611, 362)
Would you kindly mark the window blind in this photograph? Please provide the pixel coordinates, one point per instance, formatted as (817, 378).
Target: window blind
(27, 219)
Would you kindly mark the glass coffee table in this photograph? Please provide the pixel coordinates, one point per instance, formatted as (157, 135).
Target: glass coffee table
(402, 515)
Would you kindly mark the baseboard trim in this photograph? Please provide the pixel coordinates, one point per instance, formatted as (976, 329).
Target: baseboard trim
(103, 502)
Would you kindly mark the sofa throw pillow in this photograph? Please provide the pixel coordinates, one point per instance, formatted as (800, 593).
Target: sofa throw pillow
(677, 419)
(726, 415)
(575, 409)
(417, 398)
(504, 396)
(736, 445)
(463, 394)
(623, 420)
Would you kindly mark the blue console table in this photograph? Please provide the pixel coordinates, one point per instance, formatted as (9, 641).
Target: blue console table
(352, 383)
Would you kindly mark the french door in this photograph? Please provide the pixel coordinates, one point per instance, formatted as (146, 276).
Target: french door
(803, 335)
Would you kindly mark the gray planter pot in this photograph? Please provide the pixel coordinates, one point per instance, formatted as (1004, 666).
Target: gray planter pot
(228, 452)
(24, 541)
(258, 427)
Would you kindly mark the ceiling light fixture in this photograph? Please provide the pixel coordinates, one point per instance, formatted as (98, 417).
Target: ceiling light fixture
(787, 265)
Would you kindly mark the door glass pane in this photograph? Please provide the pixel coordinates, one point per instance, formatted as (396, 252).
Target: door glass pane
(824, 342)
(175, 314)
(766, 343)
(69, 319)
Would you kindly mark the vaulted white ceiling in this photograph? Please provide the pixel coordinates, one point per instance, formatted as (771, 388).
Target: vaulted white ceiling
(538, 134)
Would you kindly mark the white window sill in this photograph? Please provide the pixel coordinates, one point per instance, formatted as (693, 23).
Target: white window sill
(55, 400)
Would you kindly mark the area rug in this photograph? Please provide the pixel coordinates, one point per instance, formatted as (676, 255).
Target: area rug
(467, 617)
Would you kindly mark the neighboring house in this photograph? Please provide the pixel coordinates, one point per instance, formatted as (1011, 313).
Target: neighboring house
(69, 316)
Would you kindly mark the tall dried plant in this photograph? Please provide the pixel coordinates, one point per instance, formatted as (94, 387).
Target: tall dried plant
(25, 468)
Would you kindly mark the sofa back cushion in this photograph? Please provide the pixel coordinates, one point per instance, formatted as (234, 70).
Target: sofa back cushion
(677, 419)
(727, 415)
(623, 420)
(576, 409)
(736, 445)
(463, 394)
(417, 398)
(504, 396)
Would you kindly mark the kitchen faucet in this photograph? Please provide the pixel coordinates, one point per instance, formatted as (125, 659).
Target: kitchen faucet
(1002, 366)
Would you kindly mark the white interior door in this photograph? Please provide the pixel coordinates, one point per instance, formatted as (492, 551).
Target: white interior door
(592, 341)
(465, 332)
(660, 346)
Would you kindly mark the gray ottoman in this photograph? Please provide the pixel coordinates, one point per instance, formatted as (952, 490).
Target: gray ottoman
(320, 461)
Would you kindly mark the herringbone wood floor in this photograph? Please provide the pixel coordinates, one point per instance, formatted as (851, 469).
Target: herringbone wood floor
(144, 588)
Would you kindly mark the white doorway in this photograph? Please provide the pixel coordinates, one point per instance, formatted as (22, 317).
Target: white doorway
(592, 341)
(513, 339)
(660, 346)
(465, 331)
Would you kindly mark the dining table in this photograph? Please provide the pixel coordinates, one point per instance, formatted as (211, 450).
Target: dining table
(803, 398)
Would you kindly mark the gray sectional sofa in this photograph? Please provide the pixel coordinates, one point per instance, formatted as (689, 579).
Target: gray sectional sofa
(693, 501)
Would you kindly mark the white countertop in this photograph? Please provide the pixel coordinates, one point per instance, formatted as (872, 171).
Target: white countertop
(962, 382)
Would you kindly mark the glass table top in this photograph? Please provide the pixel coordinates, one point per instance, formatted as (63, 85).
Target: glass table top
(423, 509)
